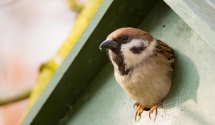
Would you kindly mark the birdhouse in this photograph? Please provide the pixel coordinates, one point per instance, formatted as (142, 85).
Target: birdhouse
(83, 91)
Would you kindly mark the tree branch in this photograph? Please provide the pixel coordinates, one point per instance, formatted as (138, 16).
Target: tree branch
(20, 96)
(74, 5)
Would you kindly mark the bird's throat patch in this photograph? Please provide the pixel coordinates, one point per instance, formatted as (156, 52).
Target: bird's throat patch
(119, 60)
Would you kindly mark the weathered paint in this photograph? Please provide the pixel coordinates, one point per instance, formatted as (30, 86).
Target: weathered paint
(199, 15)
(191, 99)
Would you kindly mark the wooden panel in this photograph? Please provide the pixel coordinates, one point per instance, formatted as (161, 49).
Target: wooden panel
(205, 9)
(191, 99)
(199, 15)
(85, 60)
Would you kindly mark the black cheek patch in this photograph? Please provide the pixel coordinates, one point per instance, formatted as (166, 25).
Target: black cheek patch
(137, 50)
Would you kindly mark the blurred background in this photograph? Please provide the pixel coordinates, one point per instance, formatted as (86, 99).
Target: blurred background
(31, 32)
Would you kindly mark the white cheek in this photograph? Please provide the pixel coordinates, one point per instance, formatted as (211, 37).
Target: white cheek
(132, 59)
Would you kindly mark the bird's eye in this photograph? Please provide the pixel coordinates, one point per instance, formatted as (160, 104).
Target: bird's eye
(125, 38)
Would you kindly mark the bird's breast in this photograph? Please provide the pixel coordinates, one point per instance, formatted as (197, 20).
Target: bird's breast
(147, 83)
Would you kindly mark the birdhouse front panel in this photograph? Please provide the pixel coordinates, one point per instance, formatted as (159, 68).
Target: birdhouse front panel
(191, 96)
(90, 88)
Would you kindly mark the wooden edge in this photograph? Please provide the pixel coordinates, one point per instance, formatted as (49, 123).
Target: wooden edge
(195, 21)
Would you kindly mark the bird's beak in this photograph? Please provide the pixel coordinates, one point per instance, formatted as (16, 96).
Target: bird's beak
(109, 44)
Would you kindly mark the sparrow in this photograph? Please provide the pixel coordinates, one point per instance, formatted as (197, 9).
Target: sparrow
(143, 67)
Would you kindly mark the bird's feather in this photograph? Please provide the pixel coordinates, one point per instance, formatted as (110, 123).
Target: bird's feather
(166, 51)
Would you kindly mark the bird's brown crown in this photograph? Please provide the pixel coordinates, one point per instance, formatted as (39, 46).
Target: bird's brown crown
(131, 33)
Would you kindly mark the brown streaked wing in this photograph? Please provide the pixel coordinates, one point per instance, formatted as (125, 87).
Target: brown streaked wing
(166, 51)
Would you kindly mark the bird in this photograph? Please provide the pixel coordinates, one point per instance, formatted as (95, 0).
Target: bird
(143, 67)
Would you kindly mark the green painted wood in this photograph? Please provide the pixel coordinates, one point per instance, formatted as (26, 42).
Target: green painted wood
(199, 15)
(191, 99)
(85, 60)
(205, 9)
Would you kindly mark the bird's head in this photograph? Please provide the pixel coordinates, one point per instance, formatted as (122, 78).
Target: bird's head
(128, 47)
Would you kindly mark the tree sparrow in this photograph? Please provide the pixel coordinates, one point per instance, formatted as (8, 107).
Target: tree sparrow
(143, 66)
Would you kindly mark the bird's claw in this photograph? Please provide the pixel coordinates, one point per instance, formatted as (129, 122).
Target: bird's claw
(150, 112)
(154, 108)
(139, 109)
(136, 104)
(137, 113)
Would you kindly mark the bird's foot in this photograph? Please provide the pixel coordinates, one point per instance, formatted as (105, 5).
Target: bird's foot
(154, 108)
(136, 104)
(139, 109)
